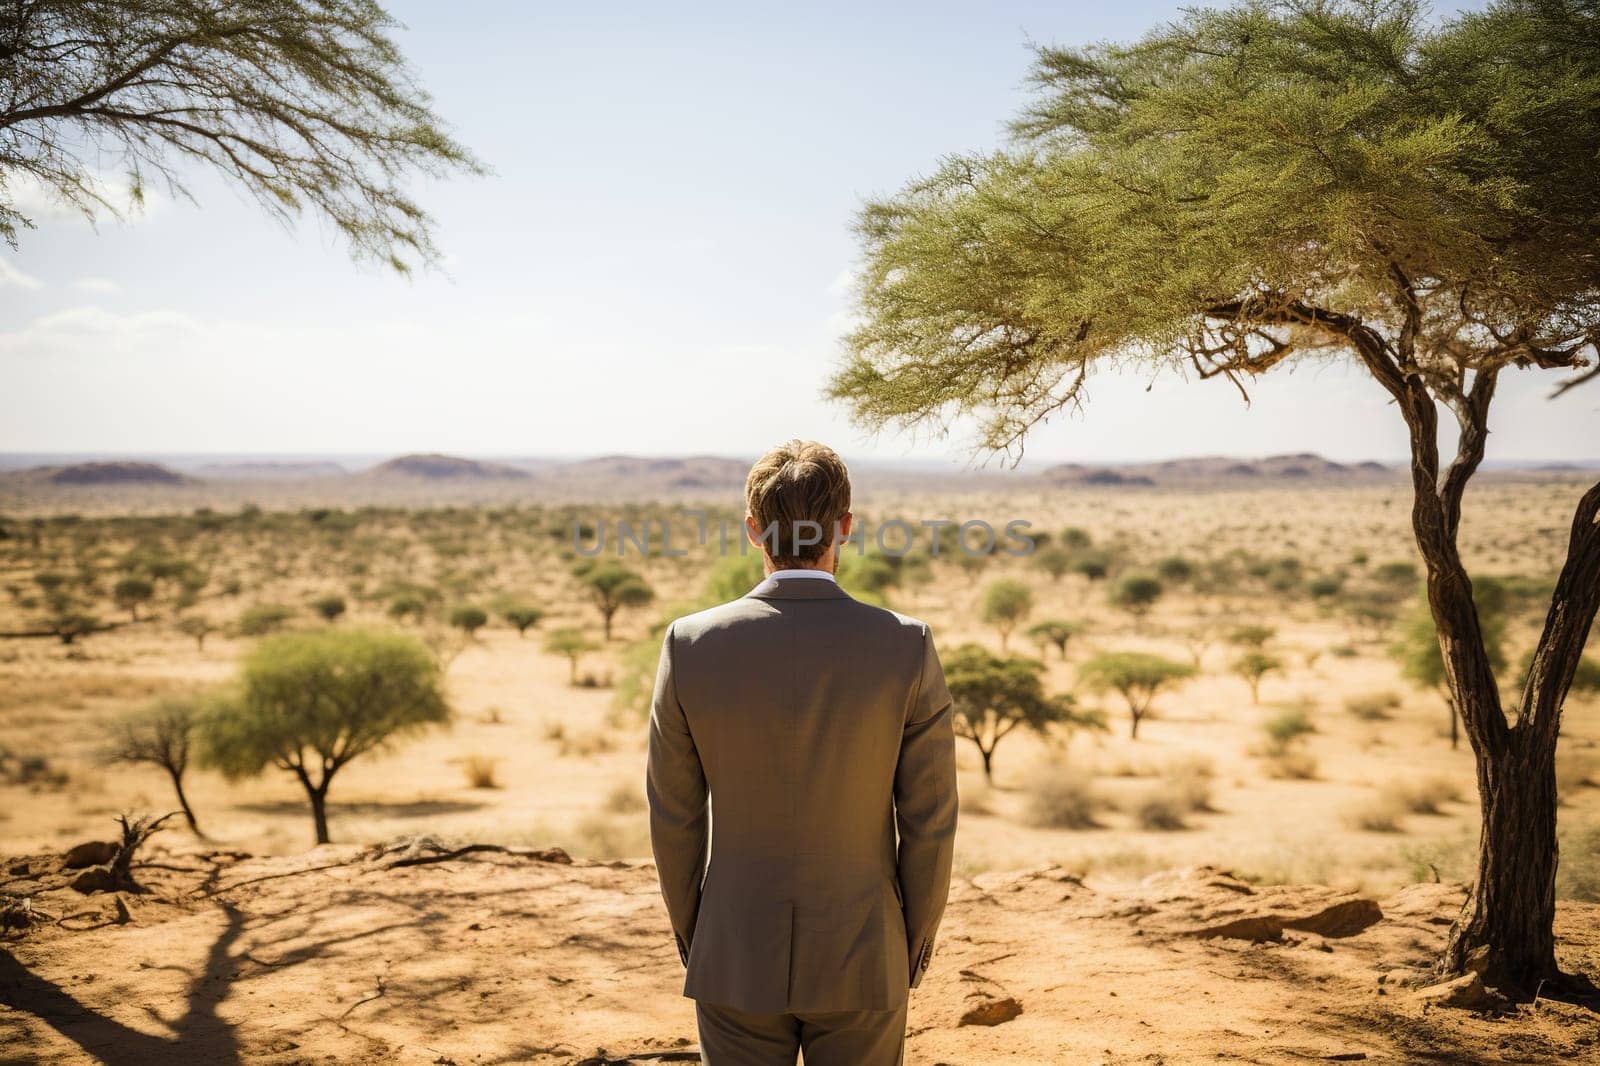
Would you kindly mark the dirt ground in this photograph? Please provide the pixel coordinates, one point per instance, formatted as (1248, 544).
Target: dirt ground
(339, 956)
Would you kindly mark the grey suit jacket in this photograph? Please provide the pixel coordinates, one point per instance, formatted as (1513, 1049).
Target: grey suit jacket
(816, 726)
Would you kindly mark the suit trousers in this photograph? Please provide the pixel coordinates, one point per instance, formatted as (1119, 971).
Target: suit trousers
(731, 1037)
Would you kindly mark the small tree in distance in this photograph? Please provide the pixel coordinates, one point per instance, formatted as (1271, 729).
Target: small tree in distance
(571, 644)
(310, 703)
(522, 617)
(1137, 594)
(329, 608)
(1137, 675)
(131, 592)
(1006, 603)
(162, 735)
(613, 587)
(469, 620)
(1253, 666)
(992, 697)
(1053, 631)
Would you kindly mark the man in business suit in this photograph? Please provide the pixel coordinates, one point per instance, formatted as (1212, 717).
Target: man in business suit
(817, 729)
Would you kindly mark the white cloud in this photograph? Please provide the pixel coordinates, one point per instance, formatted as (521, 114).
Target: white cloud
(11, 276)
(97, 285)
(41, 202)
(86, 330)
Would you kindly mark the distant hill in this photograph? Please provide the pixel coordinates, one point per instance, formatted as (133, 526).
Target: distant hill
(270, 471)
(436, 467)
(110, 473)
(1213, 470)
(690, 472)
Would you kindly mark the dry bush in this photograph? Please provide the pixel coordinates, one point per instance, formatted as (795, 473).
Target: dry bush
(1292, 765)
(1575, 771)
(1424, 797)
(1057, 799)
(1189, 781)
(1382, 813)
(585, 744)
(1161, 809)
(1578, 875)
(600, 836)
(479, 771)
(979, 800)
(626, 797)
(1373, 706)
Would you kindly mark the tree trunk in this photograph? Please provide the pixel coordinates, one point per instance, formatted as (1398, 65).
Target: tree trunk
(1506, 929)
(988, 763)
(607, 615)
(1455, 722)
(1134, 714)
(183, 801)
(319, 812)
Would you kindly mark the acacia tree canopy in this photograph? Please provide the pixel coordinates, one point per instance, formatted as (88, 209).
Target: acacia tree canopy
(301, 103)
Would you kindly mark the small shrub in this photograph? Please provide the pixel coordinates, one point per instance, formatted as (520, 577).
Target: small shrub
(1162, 809)
(1373, 706)
(625, 798)
(1287, 726)
(1574, 771)
(1578, 875)
(585, 745)
(1424, 797)
(1058, 799)
(1292, 765)
(479, 770)
(1378, 814)
(1189, 781)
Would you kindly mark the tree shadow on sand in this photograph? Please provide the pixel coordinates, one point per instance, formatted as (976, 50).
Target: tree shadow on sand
(199, 1036)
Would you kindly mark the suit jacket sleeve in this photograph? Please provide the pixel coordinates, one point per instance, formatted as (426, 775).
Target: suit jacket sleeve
(679, 813)
(925, 809)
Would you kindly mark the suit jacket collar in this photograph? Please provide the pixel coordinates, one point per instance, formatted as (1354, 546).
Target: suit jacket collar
(798, 588)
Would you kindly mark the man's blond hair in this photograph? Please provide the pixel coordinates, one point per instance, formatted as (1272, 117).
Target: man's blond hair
(797, 493)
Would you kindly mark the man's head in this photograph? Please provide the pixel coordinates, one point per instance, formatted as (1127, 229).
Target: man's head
(798, 495)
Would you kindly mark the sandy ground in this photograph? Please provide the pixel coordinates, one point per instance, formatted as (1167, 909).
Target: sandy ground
(338, 956)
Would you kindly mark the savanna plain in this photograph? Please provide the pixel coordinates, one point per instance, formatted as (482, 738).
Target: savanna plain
(1211, 808)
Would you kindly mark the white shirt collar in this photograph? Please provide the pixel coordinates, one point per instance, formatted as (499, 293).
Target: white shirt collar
(782, 574)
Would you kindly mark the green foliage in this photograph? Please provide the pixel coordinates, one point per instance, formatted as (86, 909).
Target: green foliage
(1175, 569)
(1252, 636)
(1056, 562)
(1287, 726)
(263, 618)
(1138, 676)
(130, 592)
(309, 703)
(329, 608)
(993, 696)
(522, 617)
(612, 587)
(1137, 593)
(732, 577)
(1054, 631)
(469, 619)
(1006, 603)
(1255, 665)
(1417, 650)
(303, 103)
(570, 644)
(1242, 189)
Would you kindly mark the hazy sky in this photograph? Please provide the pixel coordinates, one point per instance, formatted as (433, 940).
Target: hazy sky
(658, 264)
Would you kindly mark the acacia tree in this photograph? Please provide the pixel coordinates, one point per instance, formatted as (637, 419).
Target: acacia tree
(1006, 603)
(613, 587)
(1138, 676)
(297, 102)
(992, 696)
(311, 702)
(1252, 187)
